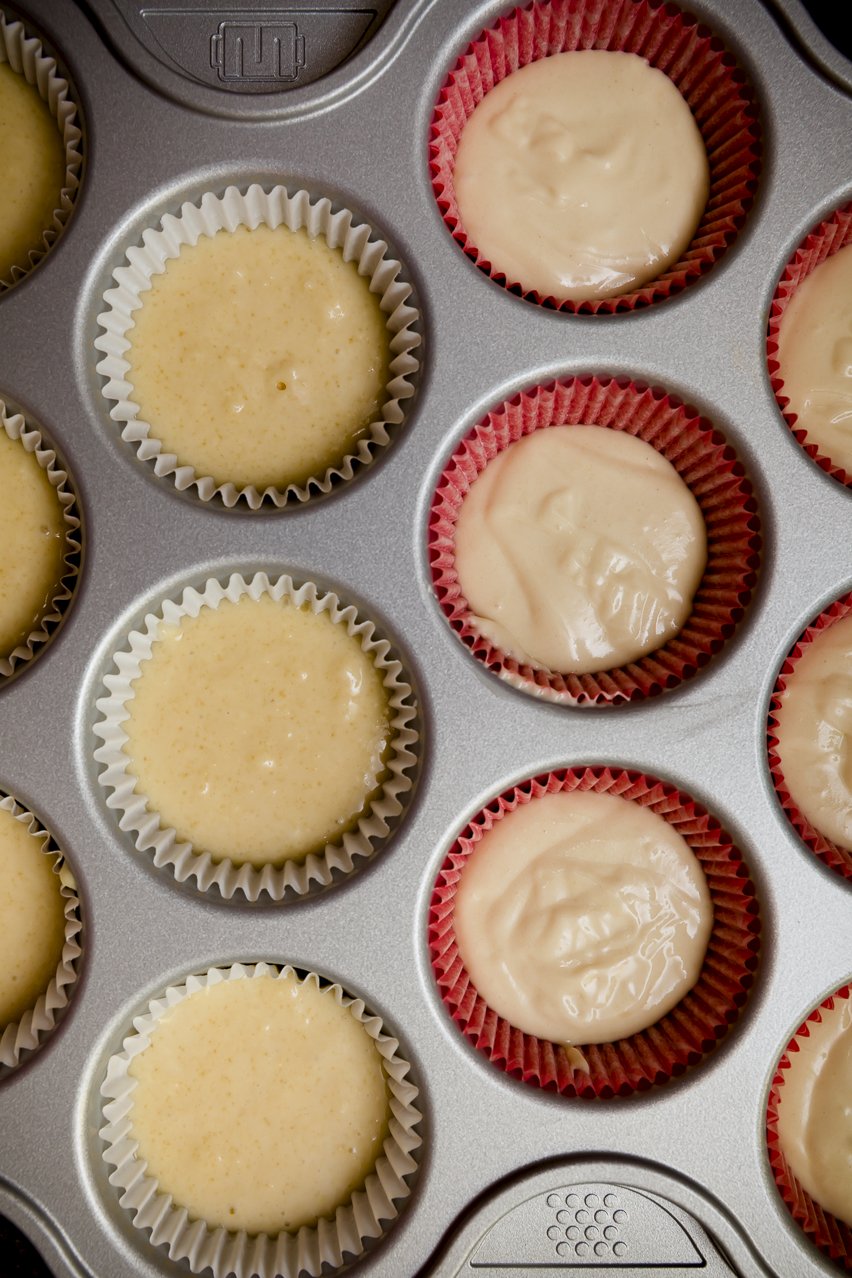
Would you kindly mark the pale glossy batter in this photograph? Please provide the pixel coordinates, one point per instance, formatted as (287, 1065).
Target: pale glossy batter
(32, 919)
(32, 543)
(259, 356)
(582, 918)
(32, 161)
(258, 730)
(815, 732)
(579, 548)
(582, 175)
(815, 355)
(260, 1104)
(815, 1111)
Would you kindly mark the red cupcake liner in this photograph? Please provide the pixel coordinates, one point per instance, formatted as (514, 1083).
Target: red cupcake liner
(830, 853)
(826, 239)
(703, 459)
(684, 1035)
(831, 1235)
(717, 91)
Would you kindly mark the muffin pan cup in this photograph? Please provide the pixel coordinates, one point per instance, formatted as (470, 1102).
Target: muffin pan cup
(18, 427)
(22, 49)
(824, 240)
(214, 214)
(490, 1143)
(704, 461)
(314, 1249)
(229, 878)
(717, 91)
(675, 1041)
(831, 1235)
(830, 853)
(19, 1039)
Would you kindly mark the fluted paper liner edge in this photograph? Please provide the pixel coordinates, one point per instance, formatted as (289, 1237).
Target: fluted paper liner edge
(826, 1231)
(20, 1038)
(331, 1242)
(677, 1041)
(17, 427)
(252, 208)
(25, 54)
(319, 869)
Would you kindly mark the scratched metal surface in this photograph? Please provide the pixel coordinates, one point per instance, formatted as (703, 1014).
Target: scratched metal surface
(359, 134)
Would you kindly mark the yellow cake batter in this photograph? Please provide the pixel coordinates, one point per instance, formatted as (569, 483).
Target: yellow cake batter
(32, 161)
(32, 919)
(260, 1104)
(258, 730)
(259, 357)
(32, 543)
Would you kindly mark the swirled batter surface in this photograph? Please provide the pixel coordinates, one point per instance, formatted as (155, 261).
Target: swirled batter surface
(815, 1110)
(815, 356)
(579, 548)
(582, 917)
(815, 732)
(582, 175)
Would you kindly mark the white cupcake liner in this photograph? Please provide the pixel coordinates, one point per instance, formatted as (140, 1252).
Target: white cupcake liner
(319, 869)
(253, 208)
(314, 1248)
(19, 1038)
(25, 54)
(18, 428)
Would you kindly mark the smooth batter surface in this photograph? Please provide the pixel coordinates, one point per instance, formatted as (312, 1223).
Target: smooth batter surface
(259, 356)
(579, 548)
(32, 161)
(32, 543)
(258, 730)
(815, 732)
(582, 918)
(815, 355)
(582, 175)
(32, 919)
(815, 1110)
(260, 1104)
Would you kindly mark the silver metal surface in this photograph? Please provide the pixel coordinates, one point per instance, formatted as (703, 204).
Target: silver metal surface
(359, 135)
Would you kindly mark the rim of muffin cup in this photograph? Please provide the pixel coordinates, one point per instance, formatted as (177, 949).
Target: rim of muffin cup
(821, 242)
(830, 853)
(292, 878)
(704, 460)
(329, 1244)
(679, 1040)
(20, 1039)
(18, 426)
(252, 207)
(21, 46)
(831, 1235)
(717, 90)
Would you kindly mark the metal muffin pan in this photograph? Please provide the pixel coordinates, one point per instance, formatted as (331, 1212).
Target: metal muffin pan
(686, 1161)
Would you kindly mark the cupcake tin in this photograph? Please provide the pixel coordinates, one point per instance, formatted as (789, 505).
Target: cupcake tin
(510, 1175)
